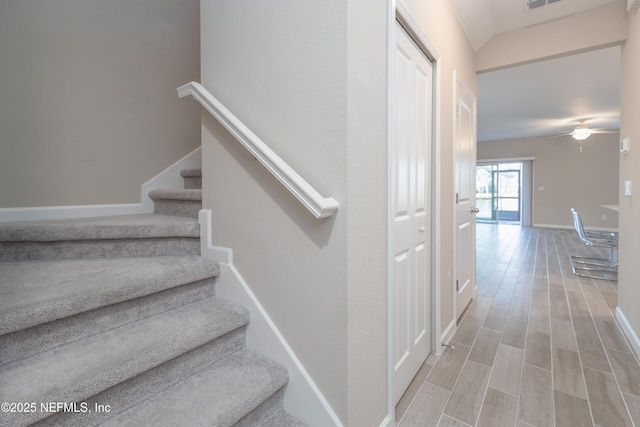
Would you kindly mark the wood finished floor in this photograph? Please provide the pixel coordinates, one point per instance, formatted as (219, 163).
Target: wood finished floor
(537, 347)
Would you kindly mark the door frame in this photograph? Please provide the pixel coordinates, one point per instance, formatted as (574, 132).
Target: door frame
(400, 12)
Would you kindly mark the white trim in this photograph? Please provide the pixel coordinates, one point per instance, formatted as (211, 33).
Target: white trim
(571, 227)
(504, 160)
(391, 43)
(414, 26)
(169, 178)
(628, 332)
(436, 289)
(302, 398)
(41, 213)
(387, 422)
(319, 206)
(207, 249)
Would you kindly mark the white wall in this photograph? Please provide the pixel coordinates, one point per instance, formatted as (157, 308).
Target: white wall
(570, 179)
(89, 111)
(628, 289)
(367, 212)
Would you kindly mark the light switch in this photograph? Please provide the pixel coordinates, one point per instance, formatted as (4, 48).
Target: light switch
(540, 188)
(627, 188)
(625, 145)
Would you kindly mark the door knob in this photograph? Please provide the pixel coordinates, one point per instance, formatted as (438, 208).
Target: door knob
(421, 229)
(475, 210)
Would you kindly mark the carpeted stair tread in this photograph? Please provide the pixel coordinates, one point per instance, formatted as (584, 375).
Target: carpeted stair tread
(35, 292)
(79, 370)
(219, 395)
(185, 202)
(191, 172)
(183, 194)
(121, 310)
(110, 227)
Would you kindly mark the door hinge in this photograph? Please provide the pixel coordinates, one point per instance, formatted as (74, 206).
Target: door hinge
(457, 286)
(457, 109)
(457, 198)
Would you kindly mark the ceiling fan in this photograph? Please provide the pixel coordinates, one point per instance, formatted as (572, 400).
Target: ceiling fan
(582, 132)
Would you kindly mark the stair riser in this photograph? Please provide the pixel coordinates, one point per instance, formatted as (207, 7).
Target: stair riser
(24, 251)
(193, 182)
(177, 207)
(264, 412)
(128, 393)
(37, 339)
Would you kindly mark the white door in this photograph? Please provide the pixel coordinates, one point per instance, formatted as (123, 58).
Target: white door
(465, 210)
(410, 161)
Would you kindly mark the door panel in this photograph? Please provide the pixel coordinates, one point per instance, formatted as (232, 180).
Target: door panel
(410, 161)
(465, 167)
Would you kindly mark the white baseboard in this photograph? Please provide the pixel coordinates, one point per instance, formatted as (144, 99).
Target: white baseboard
(387, 422)
(41, 213)
(207, 249)
(570, 227)
(628, 331)
(169, 178)
(302, 399)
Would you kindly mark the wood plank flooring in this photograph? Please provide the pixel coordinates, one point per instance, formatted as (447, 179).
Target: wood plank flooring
(537, 347)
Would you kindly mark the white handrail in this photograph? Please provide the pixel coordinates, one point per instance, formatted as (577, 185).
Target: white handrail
(321, 207)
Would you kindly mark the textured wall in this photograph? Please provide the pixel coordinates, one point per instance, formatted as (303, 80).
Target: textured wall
(89, 111)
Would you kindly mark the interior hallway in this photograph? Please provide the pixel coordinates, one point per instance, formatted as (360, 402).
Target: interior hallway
(538, 347)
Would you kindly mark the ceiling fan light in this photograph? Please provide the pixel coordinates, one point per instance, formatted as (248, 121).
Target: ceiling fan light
(581, 133)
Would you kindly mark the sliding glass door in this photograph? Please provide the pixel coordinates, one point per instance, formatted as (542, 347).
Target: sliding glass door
(498, 192)
(486, 193)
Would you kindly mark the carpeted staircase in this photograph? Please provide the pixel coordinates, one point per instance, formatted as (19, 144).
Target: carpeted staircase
(114, 321)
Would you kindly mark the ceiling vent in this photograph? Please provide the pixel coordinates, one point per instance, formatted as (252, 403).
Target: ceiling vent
(532, 4)
(633, 5)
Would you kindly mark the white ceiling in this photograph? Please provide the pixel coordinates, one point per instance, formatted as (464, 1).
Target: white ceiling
(548, 97)
(483, 19)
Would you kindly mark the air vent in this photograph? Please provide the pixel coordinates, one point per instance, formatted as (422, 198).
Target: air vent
(633, 5)
(532, 4)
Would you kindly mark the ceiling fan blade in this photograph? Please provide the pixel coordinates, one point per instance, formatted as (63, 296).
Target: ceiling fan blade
(559, 135)
(605, 131)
